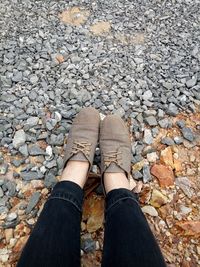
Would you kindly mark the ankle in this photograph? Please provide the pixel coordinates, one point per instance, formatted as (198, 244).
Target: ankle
(115, 181)
(76, 171)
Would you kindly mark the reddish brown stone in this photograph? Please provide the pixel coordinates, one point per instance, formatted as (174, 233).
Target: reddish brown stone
(190, 228)
(164, 174)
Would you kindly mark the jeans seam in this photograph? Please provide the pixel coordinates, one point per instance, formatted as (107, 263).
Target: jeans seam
(70, 201)
(115, 202)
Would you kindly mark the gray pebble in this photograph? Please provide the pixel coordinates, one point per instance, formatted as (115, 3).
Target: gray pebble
(24, 150)
(148, 138)
(146, 174)
(33, 202)
(167, 141)
(188, 134)
(178, 140)
(50, 180)
(19, 138)
(35, 150)
(151, 121)
(172, 110)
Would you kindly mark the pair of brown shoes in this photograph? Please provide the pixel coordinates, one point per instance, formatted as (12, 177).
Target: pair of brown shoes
(111, 133)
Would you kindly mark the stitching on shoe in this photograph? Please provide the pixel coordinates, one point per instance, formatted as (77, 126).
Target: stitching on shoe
(83, 147)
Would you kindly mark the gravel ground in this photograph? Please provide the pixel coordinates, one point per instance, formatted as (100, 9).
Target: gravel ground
(139, 59)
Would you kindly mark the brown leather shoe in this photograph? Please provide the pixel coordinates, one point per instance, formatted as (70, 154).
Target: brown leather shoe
(115, 146)
(83, 136)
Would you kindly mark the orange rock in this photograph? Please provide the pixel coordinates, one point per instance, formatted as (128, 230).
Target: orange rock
(164, 174)
(190, 228)
(8, 234)
(20, 244)
(60, 59)
(178, 165)
(166, 157)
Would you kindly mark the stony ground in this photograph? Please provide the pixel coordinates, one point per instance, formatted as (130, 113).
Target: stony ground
(139, 59)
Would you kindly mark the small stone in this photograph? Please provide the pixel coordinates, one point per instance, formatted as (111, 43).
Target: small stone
(164, 123)
(188, 134)
(35, 150)
(180, 123)
(4, 168)
(166, 157)
(137, 175)
(148, 138)
(17, 162)
(167, 85)
(1, 192)
(11, 187)
(24, 150)
(178, 140)
(158, 199)
(172, 110)
(34, 79)
(50, 180)
(58, 116)
(146, 174)
(32, 121)
(19, 138)
(151, 121)
(185, 185)
(150, 210)
(164, 174)
(11, 217)
(147, 95)
(8, 234)
(33, 202)
(167, 141)
(88, 245)
(152, 157)
(31, 175)
(49, 152)
(192, 82)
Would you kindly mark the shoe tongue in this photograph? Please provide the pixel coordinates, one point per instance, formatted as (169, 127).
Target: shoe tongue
(79, 157)
(113, 167)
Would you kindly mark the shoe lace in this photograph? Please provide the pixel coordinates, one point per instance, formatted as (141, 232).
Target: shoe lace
(112, 157)
(83, 147)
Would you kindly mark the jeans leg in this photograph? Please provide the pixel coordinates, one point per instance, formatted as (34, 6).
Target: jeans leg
(128, 240)
(55, 239)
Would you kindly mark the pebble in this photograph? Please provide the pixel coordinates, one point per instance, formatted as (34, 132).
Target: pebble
(4, 168)
(151, 121)
(148, 138)
(146, 174)
(19, 138)
(150, 210)
(178, 140)
(50, 180)
(88, 245)
(167, 141)
(165, 123)
(33, 202)
(172, 110)
(11, 217)
(35, 150)
(188, 134)
(31, 175)
(185, 185)
(152, 157)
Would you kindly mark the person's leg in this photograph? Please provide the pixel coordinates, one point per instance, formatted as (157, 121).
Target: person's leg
(128, 239)
(55, 240)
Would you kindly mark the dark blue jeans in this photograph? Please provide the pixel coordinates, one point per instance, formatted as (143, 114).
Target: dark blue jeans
(55, 240)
